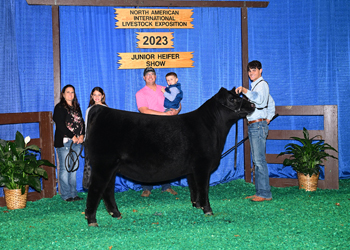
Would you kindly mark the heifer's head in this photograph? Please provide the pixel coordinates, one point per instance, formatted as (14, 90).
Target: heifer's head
(234, 102)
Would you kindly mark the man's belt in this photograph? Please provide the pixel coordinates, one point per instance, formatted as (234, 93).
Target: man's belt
(254, 121)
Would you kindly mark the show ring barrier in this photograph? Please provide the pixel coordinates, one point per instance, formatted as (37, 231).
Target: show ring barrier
(329, 134)
(45, 143)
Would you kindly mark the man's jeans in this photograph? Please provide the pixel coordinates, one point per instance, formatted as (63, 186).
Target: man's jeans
(149, 188)
(257, 137)
(68, 180)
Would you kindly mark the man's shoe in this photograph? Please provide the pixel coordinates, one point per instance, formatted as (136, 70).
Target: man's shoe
(258, 198)
(170, 190)
(146, 193)
(77, 198)
(251, 197)
(69, 199)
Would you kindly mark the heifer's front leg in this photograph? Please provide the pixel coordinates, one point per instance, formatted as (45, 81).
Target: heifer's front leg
(203, 190)
(109, 200)
(193, 190)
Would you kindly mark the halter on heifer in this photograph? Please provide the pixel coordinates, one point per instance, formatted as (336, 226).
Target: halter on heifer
(236, 136)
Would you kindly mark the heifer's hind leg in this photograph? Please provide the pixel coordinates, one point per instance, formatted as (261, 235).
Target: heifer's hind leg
(193, 190)
(109, 200)
(92, 201)
(99, 182)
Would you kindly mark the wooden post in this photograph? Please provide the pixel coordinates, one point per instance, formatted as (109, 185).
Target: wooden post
(56, 53)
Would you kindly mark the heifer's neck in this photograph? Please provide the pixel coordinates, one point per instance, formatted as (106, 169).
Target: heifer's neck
(218, 121)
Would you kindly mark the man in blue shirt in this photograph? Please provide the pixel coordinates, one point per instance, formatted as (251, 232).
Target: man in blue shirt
(258, 128)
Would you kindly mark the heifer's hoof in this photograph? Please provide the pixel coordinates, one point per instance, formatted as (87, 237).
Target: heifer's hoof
(196, 205)
(116, 214)
(207, 210)
(93, 224)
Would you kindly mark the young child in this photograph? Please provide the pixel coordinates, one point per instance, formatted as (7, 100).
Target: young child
(173, 93)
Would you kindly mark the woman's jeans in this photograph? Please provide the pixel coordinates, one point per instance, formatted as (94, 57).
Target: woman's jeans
(68, 180)
(257, 137)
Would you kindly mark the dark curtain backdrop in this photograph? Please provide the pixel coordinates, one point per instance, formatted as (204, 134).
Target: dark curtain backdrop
(303, 46)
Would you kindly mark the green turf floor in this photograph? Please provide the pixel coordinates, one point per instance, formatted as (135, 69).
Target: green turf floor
(294, 219)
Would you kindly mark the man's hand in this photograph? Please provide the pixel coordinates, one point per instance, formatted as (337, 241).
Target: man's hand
(171, 112)
(174, 111)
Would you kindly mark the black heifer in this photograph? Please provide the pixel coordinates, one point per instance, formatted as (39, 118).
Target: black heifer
(153, 149)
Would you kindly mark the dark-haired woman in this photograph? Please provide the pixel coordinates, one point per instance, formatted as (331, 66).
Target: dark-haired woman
(69, 134)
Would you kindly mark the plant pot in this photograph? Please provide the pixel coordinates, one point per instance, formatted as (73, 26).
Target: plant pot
(14, 198)
(307, 182)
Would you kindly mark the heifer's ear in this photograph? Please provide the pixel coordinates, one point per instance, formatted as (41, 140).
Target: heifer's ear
(221, 95)
(233, 91)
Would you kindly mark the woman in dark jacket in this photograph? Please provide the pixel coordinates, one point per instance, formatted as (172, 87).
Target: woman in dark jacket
(70, 131)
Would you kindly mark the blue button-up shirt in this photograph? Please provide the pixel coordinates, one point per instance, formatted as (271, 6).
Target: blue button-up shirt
(260, 96)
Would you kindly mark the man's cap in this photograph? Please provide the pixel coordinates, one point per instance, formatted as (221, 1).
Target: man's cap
(149, 69)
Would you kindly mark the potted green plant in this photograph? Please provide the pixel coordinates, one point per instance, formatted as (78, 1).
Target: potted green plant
(306, 158)
(19, 166)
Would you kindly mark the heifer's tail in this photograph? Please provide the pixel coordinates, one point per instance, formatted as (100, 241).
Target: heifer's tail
(86, 174)
(87, 169)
